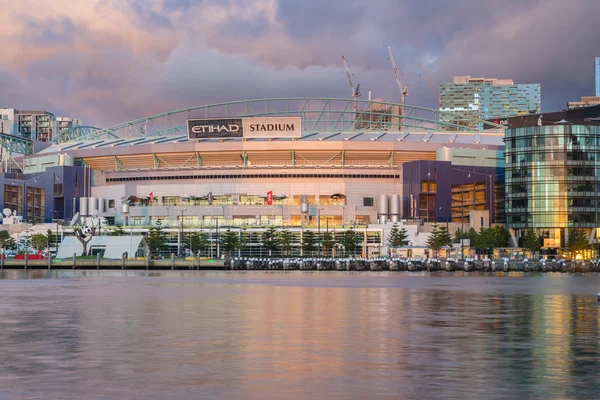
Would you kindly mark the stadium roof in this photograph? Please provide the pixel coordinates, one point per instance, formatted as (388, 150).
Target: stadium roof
(320, 117)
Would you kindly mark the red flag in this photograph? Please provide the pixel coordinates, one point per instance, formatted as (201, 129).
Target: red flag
(151, 197)
(270, 198)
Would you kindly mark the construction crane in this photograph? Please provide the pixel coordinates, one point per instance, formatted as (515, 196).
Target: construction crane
(397, 73)
(435, 93)
(355, 91)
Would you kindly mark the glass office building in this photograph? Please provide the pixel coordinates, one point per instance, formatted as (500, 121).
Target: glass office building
(553, 176)
(487, 99)
(597, 76)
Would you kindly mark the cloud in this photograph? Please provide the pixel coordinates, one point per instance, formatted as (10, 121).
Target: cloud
(109, 61)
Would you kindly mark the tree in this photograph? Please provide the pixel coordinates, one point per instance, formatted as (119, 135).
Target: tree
(309, 241)
(117, 231)
(243, 239)
(51, 237)
(10, 244)
(531, 242)
(269, 239)
(39, 241)
(328, 242)
(397, 237)
(578, 242)
(156, 238)
(4, 236)
(285, 240)
(438, 238)
(488, 238)
(350, 240)
(198, 242)
(229, 241)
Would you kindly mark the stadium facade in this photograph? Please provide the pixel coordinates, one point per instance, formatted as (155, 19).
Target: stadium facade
(322, 163)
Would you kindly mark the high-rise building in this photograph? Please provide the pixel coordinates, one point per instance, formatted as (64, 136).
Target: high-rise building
(467, 99)
(585, 101)
(34, 125)
(64, 123)
(552, 178)
(597, 76)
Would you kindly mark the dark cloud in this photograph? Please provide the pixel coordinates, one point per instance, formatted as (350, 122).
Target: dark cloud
(150, 56)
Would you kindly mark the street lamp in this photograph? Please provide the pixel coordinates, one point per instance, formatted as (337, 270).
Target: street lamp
(281, 216)
(131, 242)
(181, 234)
(462, 220)
(319, 229)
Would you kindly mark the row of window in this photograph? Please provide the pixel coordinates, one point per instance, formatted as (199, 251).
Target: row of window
(250, 176)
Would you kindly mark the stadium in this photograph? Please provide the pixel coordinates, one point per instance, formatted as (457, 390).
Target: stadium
(297, 162)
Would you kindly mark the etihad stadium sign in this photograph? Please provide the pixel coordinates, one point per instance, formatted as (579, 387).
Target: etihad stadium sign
(251, 127)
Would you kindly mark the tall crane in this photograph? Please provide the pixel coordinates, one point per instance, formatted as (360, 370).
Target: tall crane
(355, 91)
(435, 93)
(397, 75)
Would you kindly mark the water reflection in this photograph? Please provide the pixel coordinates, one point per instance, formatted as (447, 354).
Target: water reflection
(123, 334)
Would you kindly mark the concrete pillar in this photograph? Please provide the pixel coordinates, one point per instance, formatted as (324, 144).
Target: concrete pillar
(74, 260)
(172, 261)
(26, 259)
(147, 261)
(123, 261)
(98, 261)
(49, 261)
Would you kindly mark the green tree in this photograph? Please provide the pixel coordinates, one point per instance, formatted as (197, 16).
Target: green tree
(438, 238)
(328, 242)
(350, 240)
(243, 239)
(501, 236)
(531, 242)
(39, 241)
(117, 231)
(285, 240)
(198, 242)
(578, 242)
(156, 238)
(397, 237)
(51, 236)
(229, 241)
(309, 241)
(10, 244)
(269, 240)
(4, 236)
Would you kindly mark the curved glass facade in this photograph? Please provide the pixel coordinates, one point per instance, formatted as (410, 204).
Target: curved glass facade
(552, 179)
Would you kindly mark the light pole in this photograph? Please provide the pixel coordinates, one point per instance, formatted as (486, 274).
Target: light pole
(56, 239)
(181, 233)
(281, 216)
(131, 242)
(319, 230)
(462, 217)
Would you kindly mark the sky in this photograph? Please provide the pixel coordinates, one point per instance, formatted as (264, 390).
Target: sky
(111, 61)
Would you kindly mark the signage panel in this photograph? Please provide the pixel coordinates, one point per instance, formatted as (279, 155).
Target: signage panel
(214, 128)
(272, 127)
(251, 127)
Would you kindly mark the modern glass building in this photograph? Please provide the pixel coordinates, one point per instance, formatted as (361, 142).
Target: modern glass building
(487, 99)
(597, 76)
(553, 175)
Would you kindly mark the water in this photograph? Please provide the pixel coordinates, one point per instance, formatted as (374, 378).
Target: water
(236, 335)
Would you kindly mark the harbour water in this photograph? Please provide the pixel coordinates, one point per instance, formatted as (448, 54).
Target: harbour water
(298, 335)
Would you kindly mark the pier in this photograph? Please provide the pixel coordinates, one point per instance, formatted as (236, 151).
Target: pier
(312, 264)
